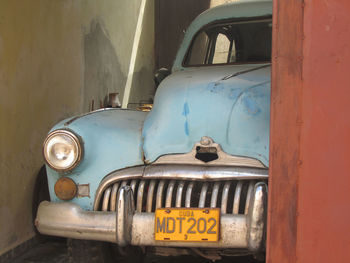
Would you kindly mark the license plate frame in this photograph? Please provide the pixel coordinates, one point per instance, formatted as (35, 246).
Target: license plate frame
(196, 225)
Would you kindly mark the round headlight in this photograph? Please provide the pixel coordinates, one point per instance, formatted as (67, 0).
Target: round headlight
(62, 150)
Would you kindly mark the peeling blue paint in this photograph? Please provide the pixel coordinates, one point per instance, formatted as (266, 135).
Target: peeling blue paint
(234, 93)
(186, 110)
(186, 128)
(251, 106)
(216, 87)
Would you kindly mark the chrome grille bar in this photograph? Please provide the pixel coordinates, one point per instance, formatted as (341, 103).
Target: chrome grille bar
(106, 199)
(151, 194)
(160, 194)
(169, 193)
(114, 197)
(214, 195)
(203, 195)
(237, 197)
(225, 197)
(189, 194)
(140, 196)
(133, 186)
(179, 194)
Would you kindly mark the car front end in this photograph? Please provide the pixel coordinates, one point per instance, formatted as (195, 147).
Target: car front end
(191, 176)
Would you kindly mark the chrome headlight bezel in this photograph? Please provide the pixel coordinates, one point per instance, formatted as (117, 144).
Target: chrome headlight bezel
(77, 142)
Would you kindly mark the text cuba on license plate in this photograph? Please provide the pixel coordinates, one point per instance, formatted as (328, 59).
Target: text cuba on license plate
(187, 224)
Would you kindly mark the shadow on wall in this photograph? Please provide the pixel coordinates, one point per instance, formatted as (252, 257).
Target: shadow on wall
(102, 73)
(172, 19)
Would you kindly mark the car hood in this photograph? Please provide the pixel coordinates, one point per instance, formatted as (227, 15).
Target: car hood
(230, 104)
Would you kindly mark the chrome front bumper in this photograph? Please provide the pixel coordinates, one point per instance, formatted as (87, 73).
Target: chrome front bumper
(125, 226)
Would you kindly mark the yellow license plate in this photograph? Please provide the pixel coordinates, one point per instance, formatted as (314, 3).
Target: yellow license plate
(187, 224)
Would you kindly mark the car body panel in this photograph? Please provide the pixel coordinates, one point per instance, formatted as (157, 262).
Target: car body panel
(111, 140)
(234, 112)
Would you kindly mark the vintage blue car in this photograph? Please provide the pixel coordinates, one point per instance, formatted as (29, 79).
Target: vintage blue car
(190, 176)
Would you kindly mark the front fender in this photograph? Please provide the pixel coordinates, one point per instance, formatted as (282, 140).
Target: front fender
(111, 140)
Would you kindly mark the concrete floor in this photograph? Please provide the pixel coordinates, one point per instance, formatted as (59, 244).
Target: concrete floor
(54, 250)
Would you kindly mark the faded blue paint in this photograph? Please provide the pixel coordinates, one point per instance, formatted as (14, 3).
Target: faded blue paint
(234, 112)
(251, 106)
(112, 141)
(238, 9)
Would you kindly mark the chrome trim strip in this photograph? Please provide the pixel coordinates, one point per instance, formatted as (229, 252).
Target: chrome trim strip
(150, 196)
(214, 195)
(203, 195)
(224, 197)
(140, 196)
(133, 186)
(237, 197)
(114, 196)
(169, 193)
(180, 188)
(205, 173)
(189, 194)
(159, 198)
(106, 199)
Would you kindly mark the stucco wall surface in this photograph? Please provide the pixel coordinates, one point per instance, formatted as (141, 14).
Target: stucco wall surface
(55, 57)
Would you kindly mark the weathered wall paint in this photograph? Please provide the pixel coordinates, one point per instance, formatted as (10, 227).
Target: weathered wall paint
(310, 133)
(54, 57)
(285, 122)
(324, 183)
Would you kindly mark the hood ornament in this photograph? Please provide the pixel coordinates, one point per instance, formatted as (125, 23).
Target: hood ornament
(207, 152)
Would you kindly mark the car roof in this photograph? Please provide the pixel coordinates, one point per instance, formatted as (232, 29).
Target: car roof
(236, 9)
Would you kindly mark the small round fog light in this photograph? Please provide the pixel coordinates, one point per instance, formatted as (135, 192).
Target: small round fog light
(65, 188)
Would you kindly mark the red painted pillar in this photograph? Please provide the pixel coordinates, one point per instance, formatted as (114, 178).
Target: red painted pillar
(309, 204)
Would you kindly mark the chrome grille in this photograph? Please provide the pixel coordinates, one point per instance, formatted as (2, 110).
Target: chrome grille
(230, 196)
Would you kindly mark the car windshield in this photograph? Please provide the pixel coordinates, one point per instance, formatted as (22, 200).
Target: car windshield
(231, 43)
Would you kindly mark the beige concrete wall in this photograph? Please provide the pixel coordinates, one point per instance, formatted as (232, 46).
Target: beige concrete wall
(55, 56)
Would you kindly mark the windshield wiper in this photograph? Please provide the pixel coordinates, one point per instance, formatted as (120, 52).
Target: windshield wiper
(244, 71)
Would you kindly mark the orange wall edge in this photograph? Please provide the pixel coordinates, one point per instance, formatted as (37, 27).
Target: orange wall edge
(309, 185)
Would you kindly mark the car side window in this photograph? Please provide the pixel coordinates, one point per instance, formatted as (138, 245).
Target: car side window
(222, 52)
(247, 41)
